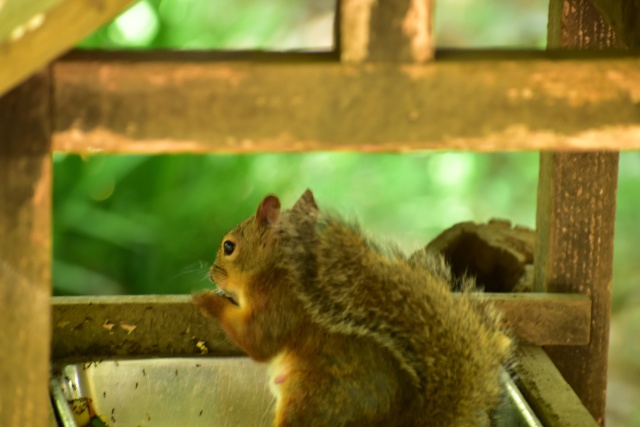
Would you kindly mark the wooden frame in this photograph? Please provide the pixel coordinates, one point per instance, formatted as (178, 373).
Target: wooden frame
(517, 101)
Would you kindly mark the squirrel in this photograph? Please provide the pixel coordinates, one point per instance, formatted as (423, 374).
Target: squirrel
(355, 333)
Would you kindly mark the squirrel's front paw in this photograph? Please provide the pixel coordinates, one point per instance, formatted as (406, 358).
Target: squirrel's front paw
(209, 303)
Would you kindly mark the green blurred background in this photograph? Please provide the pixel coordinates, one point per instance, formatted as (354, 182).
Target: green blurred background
(151, 224)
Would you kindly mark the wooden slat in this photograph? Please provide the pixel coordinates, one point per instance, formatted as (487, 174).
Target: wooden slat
(178, 104)
(25, 236)
(576, 218)
(147, 325)
(548, 394)
(545, 319)
(32, 33)
(391, 31)
(100, 327)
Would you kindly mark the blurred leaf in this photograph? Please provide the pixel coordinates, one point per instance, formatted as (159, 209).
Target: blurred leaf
(77, 280)
(158, 228)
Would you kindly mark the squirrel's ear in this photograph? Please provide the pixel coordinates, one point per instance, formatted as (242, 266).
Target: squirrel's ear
(306, 204)
(268, 212)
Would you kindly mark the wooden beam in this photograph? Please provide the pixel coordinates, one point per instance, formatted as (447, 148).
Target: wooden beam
(390, 31)
(576, 218)
(548, 394)
(150, 325)
(146, 103)
(101, 327)
(575, 225)
(545, 319)
(33, 33)
(25, 252)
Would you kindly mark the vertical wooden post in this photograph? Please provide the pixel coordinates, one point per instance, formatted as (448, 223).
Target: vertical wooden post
(575, 223)
(388, 31)
(576, 24)
(575, 220)
(25, 235)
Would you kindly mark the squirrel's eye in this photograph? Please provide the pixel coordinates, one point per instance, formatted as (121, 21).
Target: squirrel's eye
(229, 247)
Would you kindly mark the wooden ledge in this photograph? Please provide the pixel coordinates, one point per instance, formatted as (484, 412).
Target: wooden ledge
(153, 325)
(146, 325)
(551, 398)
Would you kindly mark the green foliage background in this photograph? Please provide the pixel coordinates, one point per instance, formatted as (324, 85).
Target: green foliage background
(151, 224)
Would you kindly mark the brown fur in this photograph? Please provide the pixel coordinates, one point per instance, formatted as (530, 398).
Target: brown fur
(357, 334)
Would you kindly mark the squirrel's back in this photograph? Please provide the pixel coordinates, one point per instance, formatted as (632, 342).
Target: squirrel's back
(450, 346)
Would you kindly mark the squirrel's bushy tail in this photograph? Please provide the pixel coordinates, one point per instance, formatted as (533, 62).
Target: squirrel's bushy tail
(451, 346)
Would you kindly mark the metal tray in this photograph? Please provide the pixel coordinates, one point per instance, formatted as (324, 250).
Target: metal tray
(197, 392)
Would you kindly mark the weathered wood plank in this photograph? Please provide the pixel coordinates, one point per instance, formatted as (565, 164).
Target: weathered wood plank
(25, 235)
(576, 218)
(32, 33)
(545, 319)
(575, 225)
(391, 31)
(147, 325)
(100, 327)
(577, 24)
(624, 17)
(181, 105)
(550, 397)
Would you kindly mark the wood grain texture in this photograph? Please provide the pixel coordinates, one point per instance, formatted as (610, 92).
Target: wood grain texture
(25, 258)
(102, 327)
(544, 319)
(624, 17)
(551, 398)
(389, 31)
(576, 218)
(577, 24)
(575, 225)
(497, 254)
(186, 103)
(32, 33)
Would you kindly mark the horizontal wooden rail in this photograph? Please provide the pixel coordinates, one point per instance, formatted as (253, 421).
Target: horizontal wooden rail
(551, 398)
(545, 318)
(116, 326)
(185, 102)
(167, 325)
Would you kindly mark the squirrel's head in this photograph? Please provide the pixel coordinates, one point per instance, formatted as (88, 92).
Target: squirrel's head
(247, 254)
